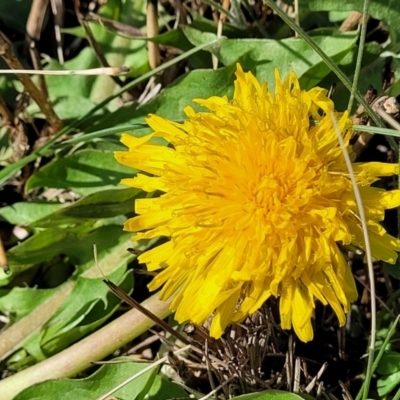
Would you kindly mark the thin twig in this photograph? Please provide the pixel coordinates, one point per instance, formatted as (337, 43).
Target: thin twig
(311, 385)
(135, 304)
(91, 71)
(3, 258)
(296, 15)
(296, 377)
(57, 9)
(34, 27)
(221, 20)
(93, 43)
(218, 387)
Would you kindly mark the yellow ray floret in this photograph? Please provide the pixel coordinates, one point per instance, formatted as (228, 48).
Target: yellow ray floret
(256, 198)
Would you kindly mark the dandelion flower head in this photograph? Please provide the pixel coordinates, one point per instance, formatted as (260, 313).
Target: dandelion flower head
(256, 199)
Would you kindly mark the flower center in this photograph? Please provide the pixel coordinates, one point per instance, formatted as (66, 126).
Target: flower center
(268, 193)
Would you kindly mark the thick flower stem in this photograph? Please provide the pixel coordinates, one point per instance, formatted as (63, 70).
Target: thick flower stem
(93, 348)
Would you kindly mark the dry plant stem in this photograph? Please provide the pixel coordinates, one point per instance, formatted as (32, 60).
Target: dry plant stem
(389, 119)
(351, 22)
(114, 25)
(92, 41)
(136, 305)
(34, 27)
(367, 252)
(91, 71)
(218, 388)
(97, 50)
(152, 31)
(3, 258)
(221, 20)
(296, 15)
(36, 17)
(7, 53)
(94, 347)
(57, 8)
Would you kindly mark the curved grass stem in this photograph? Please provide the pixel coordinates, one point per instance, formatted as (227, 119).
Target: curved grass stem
(368, 253)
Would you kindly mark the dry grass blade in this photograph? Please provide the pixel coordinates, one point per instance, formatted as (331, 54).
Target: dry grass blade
(133, 303)
(3, 258)
(311, 385)
(152, 30)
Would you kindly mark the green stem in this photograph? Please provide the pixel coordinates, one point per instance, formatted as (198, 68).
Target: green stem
(391, 332)
(95, 347)
(397, 395)
(359, 54)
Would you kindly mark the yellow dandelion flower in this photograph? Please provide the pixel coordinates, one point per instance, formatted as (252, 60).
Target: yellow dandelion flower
(256, 198)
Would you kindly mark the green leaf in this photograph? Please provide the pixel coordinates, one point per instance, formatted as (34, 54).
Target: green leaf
(42, 246)
(171, 101)
(389, 366)
(21, 301)
(85, 295)
(262, 56)
(164, 389)
(89, 306)
(389, 363)
(27, 213)
(274, 395)
(388, 383)
(100, 383)
(393, 269)
(49, 243)
(29, 330)
(14, 14)
(386, 10)
(6, 149)
(258, 55)
(85, 172)
(105, 204)
(173, 37)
